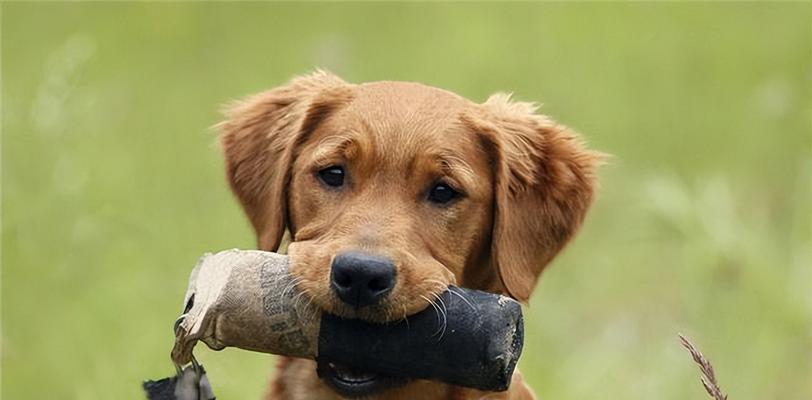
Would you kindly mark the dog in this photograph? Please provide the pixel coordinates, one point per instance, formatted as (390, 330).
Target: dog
(392, 191)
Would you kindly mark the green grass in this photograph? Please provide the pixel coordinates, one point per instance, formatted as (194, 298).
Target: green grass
(112, 185)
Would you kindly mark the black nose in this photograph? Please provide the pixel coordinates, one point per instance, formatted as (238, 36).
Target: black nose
(362, 279)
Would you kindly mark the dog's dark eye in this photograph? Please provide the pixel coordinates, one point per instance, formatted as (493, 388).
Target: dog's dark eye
(332, 176)
(442, 193)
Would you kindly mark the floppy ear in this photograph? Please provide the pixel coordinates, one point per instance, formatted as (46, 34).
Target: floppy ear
(544, 183)
(259, 139)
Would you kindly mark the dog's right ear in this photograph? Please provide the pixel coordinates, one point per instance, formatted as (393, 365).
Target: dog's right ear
(259, 137)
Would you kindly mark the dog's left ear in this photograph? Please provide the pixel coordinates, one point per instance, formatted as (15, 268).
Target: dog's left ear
(544, 180)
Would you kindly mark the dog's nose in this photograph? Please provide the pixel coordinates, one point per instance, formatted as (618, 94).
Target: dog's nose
(361, 279)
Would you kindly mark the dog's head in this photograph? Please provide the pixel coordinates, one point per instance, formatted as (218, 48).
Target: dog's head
(391, 191)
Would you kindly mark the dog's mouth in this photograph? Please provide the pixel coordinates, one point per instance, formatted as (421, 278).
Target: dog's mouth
(354, 382)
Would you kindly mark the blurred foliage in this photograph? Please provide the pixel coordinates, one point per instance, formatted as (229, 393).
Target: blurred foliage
(113, 184)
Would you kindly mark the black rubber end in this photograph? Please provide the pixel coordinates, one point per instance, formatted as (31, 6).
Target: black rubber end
(476, 342)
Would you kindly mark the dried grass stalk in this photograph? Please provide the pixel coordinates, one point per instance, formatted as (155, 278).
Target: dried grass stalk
(709, 377)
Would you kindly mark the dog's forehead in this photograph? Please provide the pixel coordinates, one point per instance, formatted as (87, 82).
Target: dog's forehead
(398, 122)
(390, 105)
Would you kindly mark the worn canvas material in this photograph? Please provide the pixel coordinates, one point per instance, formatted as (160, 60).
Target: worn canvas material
(245, 299)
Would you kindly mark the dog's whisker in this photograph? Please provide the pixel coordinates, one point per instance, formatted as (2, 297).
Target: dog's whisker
(405, 316)
(436, 311)
(440, 317)
(461, 296)
(299, 296)
(311, 307)
(444, 312)
(294, 283)
(440, 285)
(284, 292)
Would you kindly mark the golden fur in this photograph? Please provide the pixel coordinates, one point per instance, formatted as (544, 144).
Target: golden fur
(526, 184)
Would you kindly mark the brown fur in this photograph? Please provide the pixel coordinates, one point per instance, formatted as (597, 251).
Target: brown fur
(527, 184)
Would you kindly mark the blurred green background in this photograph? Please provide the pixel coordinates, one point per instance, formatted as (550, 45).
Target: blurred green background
(112, 183)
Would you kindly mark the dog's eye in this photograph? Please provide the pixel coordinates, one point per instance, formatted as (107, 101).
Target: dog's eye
(332, 176)
(442, 193)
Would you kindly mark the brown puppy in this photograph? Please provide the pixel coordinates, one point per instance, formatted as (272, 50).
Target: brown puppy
(391, 191)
